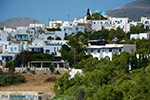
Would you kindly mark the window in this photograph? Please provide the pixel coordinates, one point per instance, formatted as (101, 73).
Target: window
(47, 51)
(21, 37)
(94, 22)
(25, 36)
(15, 48)
(110, 50)
(120, 49)
(146, 22)
(106, 22)
(101, 22)
(11, 49)
(98, 50)
(92, 50)
(10, 58)
(120, 21)
(64, 29)
(77, 28)
(54, 49)
(5, 46)
(57, 49)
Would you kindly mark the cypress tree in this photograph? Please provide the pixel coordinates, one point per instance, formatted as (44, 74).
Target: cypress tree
(88, 15)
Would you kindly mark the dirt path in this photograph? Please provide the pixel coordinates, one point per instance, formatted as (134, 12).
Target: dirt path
(34, 83)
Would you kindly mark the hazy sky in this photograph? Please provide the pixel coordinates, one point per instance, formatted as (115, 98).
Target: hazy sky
(54, 9)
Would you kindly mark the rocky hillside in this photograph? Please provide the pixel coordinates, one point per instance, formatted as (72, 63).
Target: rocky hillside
(20, 21)
(133, 10)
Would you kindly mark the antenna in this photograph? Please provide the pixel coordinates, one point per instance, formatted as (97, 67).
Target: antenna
(34, 27)
(68, 17)
(52, 23)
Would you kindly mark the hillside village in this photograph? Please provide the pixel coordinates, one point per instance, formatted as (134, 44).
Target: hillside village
(49, 39)
(69, 46)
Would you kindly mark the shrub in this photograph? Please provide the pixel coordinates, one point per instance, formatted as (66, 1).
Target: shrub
(50, 79)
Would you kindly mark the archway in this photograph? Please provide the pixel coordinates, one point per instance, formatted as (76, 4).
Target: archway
(107, 57)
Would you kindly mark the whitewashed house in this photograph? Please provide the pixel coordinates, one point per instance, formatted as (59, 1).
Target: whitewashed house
(99, 49)
(146, 22)
(36, 46)
(139, 36)
(72, 27)
(53, 34)
(3, 36)
(53, 46)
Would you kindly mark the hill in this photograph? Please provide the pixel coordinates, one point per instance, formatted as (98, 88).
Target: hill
(20, 21)
(134, 10)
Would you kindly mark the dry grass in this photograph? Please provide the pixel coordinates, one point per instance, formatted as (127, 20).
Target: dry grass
(37, 83)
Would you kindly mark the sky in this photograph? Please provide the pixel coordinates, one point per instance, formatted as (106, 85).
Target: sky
(43, 10)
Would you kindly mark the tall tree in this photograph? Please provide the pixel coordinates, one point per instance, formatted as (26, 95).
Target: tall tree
(88, 15)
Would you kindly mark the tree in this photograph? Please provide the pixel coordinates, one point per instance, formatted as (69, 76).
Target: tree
(58, 38)
(137, 30)
(67, 54)
(77, 48)
(98, 16)
(88, 15)
(51, 67)
(50, 38)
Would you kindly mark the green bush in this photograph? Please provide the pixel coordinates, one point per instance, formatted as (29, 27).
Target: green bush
(11, 79)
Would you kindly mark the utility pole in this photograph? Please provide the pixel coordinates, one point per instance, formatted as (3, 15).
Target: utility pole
(149, 42)
(69, 18)
(48, 21)
(52, 23)
(34, 28)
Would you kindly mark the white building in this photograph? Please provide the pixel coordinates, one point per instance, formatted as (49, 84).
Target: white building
(8, 30)
(36, 25)
(133, 23)
(36, 46)
(20, 35)
(53, 46)
(139, 36)
(73, 71)
(100, 24)
(53, 34)
(3, 36)
(111, 23)
(72, 28)
(55, 24)
(145, 21)
(101, 50)
(12, 48)
(6, 58)
(80, 20)
(22, 28)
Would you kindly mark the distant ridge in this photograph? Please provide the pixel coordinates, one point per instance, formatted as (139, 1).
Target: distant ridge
(134, 10)
(20, 21)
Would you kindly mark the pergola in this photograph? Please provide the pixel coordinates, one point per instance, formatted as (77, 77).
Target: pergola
(46, 64)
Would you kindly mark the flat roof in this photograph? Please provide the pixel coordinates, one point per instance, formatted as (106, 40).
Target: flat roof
(47, 62)
(110, 46)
